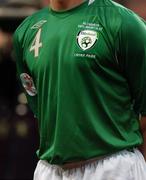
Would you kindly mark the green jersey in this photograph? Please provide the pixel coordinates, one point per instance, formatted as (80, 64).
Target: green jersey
(84, 71)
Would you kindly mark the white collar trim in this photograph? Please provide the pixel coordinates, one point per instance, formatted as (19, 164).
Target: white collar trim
(90, 2)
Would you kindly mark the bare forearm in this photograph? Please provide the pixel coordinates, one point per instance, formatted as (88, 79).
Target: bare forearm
(143, 130)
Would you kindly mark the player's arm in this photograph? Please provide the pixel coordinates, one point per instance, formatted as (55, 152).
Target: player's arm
(131, 50)
(24, 75)
(143, 130)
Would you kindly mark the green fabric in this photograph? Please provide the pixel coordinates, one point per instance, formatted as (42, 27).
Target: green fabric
(90, 76)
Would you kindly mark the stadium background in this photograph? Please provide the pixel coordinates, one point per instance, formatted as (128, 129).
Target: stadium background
(18, 128)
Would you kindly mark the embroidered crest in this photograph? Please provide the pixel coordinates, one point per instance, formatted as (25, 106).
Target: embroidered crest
(87, 38)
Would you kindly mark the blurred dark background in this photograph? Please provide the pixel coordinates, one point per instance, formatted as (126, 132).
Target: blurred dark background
(19, 137)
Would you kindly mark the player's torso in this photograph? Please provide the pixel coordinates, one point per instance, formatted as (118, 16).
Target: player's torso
(69, 39)
(72, 60)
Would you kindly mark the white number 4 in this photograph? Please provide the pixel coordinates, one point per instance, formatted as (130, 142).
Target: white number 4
(36, 44)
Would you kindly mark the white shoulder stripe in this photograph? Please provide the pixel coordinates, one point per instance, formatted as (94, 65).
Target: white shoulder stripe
(90, 2)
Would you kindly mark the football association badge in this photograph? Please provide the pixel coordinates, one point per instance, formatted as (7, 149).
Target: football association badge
(87, 38)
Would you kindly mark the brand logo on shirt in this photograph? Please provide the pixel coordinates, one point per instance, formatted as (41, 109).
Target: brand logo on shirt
(87, 38)
(28, 84)
(39, 24)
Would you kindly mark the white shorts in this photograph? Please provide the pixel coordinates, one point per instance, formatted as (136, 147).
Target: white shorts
(124, 165)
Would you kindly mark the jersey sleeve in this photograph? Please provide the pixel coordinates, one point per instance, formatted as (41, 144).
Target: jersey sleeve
(24, 75)
(131, 52)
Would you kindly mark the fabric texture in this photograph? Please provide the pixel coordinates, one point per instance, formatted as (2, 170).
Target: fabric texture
(124, 165)
(85, 79)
